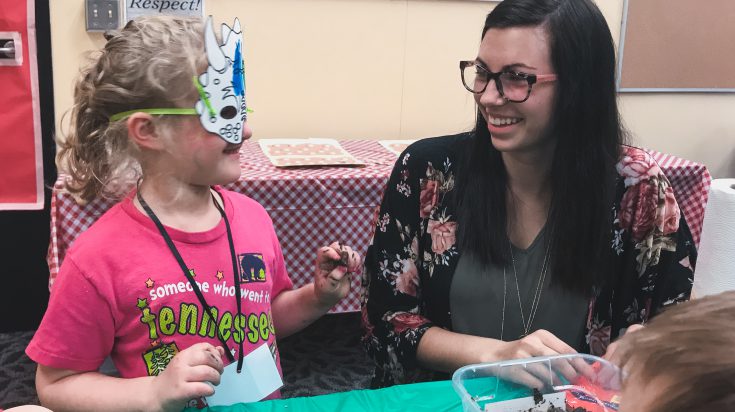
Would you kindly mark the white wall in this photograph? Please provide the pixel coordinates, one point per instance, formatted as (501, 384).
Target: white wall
(384, 69)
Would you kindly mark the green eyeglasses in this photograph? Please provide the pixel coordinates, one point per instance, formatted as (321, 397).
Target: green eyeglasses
(174, 110)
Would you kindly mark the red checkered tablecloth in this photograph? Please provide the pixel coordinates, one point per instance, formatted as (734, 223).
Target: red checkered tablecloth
(311, 207)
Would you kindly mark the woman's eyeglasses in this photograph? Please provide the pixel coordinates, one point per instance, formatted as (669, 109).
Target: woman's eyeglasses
(512, 86)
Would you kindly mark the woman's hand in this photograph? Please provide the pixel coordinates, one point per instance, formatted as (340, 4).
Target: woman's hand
(612, 354)
(540, 343)
(191, 374)
(334, 266)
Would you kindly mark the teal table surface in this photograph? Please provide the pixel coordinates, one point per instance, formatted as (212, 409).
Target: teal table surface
(417, 397)
(429, 396)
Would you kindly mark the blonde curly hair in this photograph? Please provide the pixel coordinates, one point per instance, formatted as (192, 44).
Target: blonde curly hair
(150, 63)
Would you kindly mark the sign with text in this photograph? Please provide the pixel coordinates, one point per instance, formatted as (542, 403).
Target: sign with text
(137, 8)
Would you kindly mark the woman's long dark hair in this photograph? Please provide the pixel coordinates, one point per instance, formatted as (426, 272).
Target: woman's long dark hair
(588, 132)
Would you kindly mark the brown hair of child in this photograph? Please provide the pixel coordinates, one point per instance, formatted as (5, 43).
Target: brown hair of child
(690, 350)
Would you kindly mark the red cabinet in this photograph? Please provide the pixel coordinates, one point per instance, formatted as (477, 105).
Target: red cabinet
(21, 163)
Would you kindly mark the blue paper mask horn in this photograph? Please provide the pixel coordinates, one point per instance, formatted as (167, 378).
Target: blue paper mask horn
(221, 106)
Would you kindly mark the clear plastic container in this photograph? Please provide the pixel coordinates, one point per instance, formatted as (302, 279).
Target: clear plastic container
(564, 380)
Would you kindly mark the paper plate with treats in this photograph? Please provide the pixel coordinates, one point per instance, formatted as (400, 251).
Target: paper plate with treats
(561, 383)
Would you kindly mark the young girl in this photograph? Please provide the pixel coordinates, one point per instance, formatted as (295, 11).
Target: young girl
(182, 276)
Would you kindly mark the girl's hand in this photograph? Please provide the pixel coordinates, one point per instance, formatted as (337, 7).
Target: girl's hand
(191, 374)
(334, 266)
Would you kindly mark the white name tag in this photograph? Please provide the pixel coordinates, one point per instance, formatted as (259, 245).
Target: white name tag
(258, 378)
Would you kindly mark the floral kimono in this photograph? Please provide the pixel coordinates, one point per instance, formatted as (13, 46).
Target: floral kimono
(409, 266)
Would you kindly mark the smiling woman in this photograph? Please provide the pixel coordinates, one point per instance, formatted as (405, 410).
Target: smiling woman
(537, 233)
(519, 54)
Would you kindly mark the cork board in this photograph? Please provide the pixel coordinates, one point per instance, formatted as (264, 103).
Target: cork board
(677, 46)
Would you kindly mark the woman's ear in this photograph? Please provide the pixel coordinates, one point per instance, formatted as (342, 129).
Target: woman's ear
(143, 132)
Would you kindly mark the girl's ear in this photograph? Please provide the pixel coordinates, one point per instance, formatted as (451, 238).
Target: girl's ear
(143, 132)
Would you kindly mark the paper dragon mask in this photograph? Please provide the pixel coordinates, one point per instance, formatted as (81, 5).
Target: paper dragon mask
(221, 107)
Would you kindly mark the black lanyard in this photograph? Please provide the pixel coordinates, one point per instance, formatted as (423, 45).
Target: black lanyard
(194, 286)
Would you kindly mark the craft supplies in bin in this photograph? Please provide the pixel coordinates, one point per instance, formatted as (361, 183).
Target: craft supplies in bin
(544, 384)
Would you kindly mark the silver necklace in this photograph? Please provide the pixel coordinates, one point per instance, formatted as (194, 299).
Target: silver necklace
(536, 294)
(502, 324)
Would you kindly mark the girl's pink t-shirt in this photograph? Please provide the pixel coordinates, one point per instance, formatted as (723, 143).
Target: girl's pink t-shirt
(120, 292)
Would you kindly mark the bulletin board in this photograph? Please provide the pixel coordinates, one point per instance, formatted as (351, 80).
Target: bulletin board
(677, 46)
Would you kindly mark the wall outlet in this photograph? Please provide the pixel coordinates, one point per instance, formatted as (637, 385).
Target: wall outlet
(102, 15)
(11, 48)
